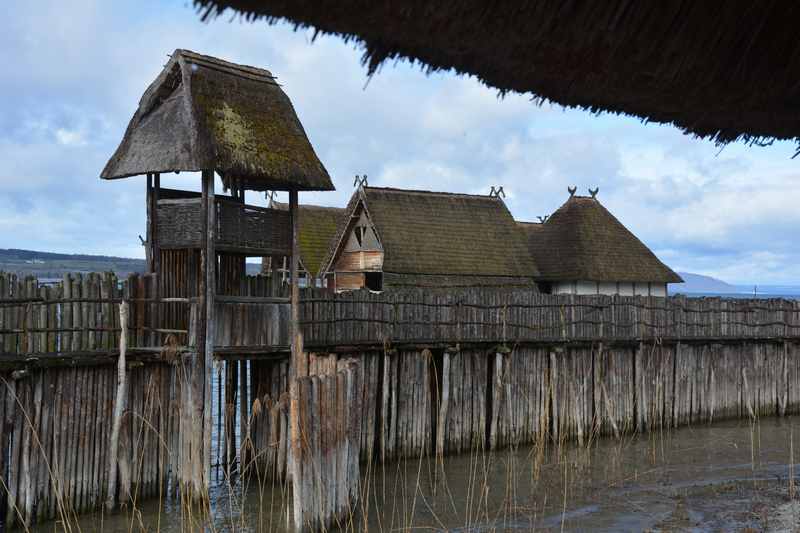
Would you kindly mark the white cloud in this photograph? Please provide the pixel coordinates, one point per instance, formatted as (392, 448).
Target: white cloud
(70, 137)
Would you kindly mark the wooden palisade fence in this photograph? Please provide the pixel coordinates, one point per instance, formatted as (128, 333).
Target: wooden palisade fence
(398, 374)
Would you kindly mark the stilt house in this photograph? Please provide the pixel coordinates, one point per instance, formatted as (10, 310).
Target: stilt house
(583, 249)
(400, 238)
(214, 117)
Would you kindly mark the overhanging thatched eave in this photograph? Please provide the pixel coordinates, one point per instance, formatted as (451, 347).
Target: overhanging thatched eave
(723, 70)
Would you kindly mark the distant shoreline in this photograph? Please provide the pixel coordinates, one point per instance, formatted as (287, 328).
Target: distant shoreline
(739, 295)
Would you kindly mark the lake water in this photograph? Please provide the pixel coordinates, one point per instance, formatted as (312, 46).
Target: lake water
(729, 476)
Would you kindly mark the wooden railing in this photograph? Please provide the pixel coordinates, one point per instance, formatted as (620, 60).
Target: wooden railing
(517, 315)
(240, 228)
(80, 315)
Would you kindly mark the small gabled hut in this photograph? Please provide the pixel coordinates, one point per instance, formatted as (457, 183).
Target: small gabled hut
(583, 249)
(406, 238)
(318, 225)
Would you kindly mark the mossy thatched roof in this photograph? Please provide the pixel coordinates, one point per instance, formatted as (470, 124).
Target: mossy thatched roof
(583, 241)
(318, 226)
(724, 70)
(438, 233)
(204, 113)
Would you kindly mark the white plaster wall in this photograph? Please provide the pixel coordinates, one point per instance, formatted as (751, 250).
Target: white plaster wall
(642, 289)
(564, 287)
(610, 288)
(625, 289)
(586, 287)
(658, 289)
(607, 287)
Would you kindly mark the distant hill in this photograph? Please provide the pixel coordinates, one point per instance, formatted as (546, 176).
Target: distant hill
(48, 265)
(700, 283)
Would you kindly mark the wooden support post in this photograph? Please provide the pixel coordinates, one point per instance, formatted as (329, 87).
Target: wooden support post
(211, 289)
(119, 407)
(155, 250)
(298, 368)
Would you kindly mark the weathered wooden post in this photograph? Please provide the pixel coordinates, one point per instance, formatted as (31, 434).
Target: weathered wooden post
(119, 407)
(210, 264)
(297, 369)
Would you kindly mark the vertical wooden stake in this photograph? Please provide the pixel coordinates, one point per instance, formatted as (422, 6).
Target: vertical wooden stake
(119, 407)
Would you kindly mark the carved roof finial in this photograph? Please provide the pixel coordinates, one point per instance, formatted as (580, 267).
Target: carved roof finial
(572, 190)
(497, 192)
(360, 181)
(594, 192)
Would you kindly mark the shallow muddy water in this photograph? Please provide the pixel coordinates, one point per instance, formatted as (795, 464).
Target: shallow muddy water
(729, 476)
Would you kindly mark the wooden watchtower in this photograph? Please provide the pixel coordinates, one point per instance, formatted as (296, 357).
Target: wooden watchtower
(211, 116)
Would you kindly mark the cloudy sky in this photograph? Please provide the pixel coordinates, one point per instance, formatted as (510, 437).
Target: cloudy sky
(74, 71)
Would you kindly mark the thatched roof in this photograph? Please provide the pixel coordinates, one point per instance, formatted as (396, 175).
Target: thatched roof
(583, 241)
(424, 232)
(723, 70)
(205, 113)
(318, 227)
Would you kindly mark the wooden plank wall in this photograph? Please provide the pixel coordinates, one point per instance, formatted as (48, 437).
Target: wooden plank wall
(252, 325)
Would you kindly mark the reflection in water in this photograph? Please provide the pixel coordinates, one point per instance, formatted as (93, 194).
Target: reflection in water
(727, 476)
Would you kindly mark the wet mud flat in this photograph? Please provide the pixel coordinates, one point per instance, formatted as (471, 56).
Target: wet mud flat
(730, 476)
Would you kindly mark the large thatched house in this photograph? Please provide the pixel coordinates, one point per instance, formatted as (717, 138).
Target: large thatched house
(398, 238)
(583, 249)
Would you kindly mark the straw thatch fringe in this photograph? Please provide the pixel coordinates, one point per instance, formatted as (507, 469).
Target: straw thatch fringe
(719, 70)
